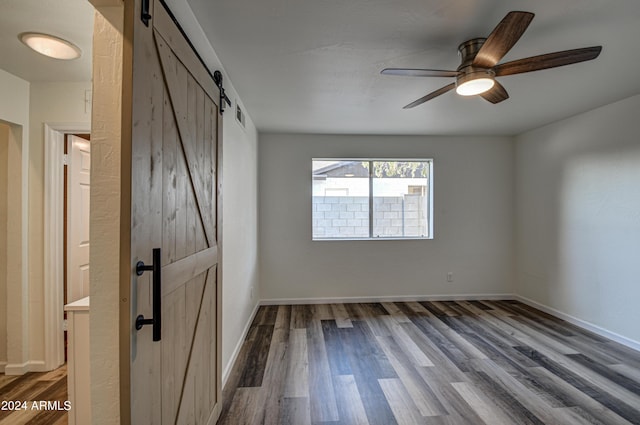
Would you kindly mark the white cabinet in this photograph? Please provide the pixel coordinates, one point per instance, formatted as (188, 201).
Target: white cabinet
(78, 382)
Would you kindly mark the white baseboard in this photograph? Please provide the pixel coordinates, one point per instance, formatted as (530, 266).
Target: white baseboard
(2, 366)
(234, 356)
(388, 298)
(581, 323)
(26, 367)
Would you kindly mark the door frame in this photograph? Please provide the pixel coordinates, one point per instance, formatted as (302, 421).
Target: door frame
(54, 238)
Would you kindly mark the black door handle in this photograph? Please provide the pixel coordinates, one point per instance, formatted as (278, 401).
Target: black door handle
(156, 320)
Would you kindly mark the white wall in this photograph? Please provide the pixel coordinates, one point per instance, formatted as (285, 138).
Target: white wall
(14, 111)
(240, 203)
(4, 154)
(473, 221)
(578, 220)
(240, 234)
(14, 102)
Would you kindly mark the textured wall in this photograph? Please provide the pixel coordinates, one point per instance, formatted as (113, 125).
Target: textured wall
(106, 180)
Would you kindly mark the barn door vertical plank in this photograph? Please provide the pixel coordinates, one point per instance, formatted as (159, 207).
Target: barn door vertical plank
(211, 162)
(201, 348)
(195, 289)
(213, 338)
(201, 142)
(173, 360)
(169, 166)
(182, 184)
(192, 207)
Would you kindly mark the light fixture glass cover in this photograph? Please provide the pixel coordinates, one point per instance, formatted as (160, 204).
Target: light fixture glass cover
(50, 45)
(476, 86)
(475, 82)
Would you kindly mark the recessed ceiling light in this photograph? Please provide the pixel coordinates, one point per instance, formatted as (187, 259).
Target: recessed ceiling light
(50, 45)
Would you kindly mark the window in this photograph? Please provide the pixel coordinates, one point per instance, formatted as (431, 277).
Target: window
(372, 199)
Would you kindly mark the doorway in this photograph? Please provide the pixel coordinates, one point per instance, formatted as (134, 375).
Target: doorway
(76, 244)
(54, 251)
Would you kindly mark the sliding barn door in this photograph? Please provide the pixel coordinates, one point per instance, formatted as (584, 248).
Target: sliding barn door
(175, 355)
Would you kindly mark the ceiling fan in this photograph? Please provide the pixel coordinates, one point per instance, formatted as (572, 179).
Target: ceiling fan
(479, 62)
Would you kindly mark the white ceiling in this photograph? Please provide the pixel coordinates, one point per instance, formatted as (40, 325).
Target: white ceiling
(71, 20)
(313, 65)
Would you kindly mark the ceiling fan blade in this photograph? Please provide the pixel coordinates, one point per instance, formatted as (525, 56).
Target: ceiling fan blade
(549, 60)
(502, 39)
(431, 95)
(409, 72)
(496, 94)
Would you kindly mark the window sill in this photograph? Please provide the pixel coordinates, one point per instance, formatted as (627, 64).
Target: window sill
(426, 238)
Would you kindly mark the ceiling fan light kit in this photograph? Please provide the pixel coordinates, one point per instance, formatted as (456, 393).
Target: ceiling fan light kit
(479, 59)
(472, 84)
(471, 80)
(51, 46)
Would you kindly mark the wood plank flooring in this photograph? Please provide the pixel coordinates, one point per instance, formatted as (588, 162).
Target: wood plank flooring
(464, 362)
(30, 387)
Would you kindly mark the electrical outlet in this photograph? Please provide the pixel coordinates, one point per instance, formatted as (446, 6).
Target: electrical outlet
(252, 291)
(450, 277)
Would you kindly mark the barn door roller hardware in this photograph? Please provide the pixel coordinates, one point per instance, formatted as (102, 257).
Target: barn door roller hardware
(217, 78)
(144, 12)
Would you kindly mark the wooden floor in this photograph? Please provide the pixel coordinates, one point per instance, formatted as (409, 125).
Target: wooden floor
(38, 387)
(428, 363)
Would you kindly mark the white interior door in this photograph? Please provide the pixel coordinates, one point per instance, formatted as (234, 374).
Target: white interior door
(78, 189)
